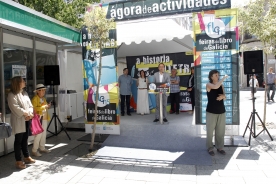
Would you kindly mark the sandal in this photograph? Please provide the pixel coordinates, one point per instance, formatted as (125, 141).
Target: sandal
(211, 152)
(221, 152)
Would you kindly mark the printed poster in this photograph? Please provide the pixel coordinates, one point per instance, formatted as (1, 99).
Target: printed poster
(149, 63)
(216, 46)
(19, 70)
(108, 121)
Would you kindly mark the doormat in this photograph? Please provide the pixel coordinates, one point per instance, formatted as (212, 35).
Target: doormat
(99, 138)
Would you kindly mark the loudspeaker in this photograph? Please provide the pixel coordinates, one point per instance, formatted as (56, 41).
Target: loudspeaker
(51, 75)
(253, 62)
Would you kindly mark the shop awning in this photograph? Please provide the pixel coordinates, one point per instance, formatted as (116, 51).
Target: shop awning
(152, 37)
(21, 19)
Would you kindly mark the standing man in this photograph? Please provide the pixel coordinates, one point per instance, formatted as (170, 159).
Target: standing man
(163, 77)
(256, 84)
(270, 84)
(174, 92)
(125, 82)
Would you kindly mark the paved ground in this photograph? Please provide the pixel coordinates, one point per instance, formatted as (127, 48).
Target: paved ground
(254, 164)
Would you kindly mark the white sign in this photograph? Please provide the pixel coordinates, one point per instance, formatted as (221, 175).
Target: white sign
(103, 129)
(19, 70)
(271, 61)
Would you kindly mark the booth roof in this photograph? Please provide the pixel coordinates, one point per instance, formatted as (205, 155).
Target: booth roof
(149, 30)
(19, 18)
(152, 37)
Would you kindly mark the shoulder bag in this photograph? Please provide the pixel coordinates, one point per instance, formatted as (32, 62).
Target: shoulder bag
(36, 127)
(5, 130)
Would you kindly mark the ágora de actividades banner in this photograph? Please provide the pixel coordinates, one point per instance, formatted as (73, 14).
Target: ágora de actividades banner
(124, 10)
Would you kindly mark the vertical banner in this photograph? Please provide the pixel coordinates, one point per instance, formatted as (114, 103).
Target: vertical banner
(149, 63)
(108, 121)
(216, 46)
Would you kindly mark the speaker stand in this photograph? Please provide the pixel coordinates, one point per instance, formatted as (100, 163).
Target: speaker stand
(56, 119)
(251, 125)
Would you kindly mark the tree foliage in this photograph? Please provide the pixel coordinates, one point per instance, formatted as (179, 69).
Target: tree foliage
(259, 18)
(98, 26)
(68, 13)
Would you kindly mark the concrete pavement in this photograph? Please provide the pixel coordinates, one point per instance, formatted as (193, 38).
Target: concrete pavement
(254, 164)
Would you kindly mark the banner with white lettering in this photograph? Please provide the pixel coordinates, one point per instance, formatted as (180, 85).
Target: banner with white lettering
(149, 64)
(125, 10)
(216, 39)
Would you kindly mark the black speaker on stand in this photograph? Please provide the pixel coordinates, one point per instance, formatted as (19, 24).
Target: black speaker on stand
(52, 78)
(253, 64)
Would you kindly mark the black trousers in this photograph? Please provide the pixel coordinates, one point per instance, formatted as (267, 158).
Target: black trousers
(125, 99)
(21, 143)
(192, 96)
(272, 88)
(174, 102)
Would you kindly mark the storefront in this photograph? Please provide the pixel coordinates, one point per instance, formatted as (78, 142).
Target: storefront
(29, 40)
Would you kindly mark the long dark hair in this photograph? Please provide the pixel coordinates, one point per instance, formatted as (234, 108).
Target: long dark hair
(211, 73)
(144, 74)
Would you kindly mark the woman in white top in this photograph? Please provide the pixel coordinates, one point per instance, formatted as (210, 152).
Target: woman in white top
(256, 84)
(142, 97)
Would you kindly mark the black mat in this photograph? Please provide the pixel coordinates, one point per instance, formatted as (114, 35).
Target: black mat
(80, 150)
(100, 138)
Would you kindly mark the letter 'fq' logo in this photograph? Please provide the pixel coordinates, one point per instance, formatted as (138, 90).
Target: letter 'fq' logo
(215, 28)
(103, 99)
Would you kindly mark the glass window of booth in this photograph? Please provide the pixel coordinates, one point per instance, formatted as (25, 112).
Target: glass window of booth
(42, 59)
(19, 61)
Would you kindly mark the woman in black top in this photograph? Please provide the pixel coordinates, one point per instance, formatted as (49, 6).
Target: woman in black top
(215, 112)
(191, 88)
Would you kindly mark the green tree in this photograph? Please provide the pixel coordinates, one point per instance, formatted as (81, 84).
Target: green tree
(258, 18)
(69, 13)
(98, 27)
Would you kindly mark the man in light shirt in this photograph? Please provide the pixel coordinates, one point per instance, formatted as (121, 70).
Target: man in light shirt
(161, 76)
(270, 84)
(125, 82)
(256, 84)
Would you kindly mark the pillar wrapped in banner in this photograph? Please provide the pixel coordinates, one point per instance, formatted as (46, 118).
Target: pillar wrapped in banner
(216, 46)
(108, 121)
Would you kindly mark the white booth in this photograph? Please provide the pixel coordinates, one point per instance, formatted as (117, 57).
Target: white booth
(31, 40)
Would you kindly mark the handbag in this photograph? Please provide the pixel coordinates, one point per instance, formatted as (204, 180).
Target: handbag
(36, 127)
(5, 130)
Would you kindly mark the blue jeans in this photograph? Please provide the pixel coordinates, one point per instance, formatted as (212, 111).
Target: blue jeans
(270, 87)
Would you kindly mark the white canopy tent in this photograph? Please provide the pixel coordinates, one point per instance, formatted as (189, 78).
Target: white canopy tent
(153, 36)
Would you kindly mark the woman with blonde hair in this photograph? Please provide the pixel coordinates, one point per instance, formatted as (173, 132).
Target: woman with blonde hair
(41, 108)
(21, 114)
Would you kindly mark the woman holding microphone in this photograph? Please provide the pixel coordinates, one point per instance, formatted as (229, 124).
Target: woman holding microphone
(215, 112)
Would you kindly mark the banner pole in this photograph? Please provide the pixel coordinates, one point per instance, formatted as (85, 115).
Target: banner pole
(161, 107)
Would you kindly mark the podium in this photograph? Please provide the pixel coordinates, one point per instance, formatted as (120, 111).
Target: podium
(159, 89)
